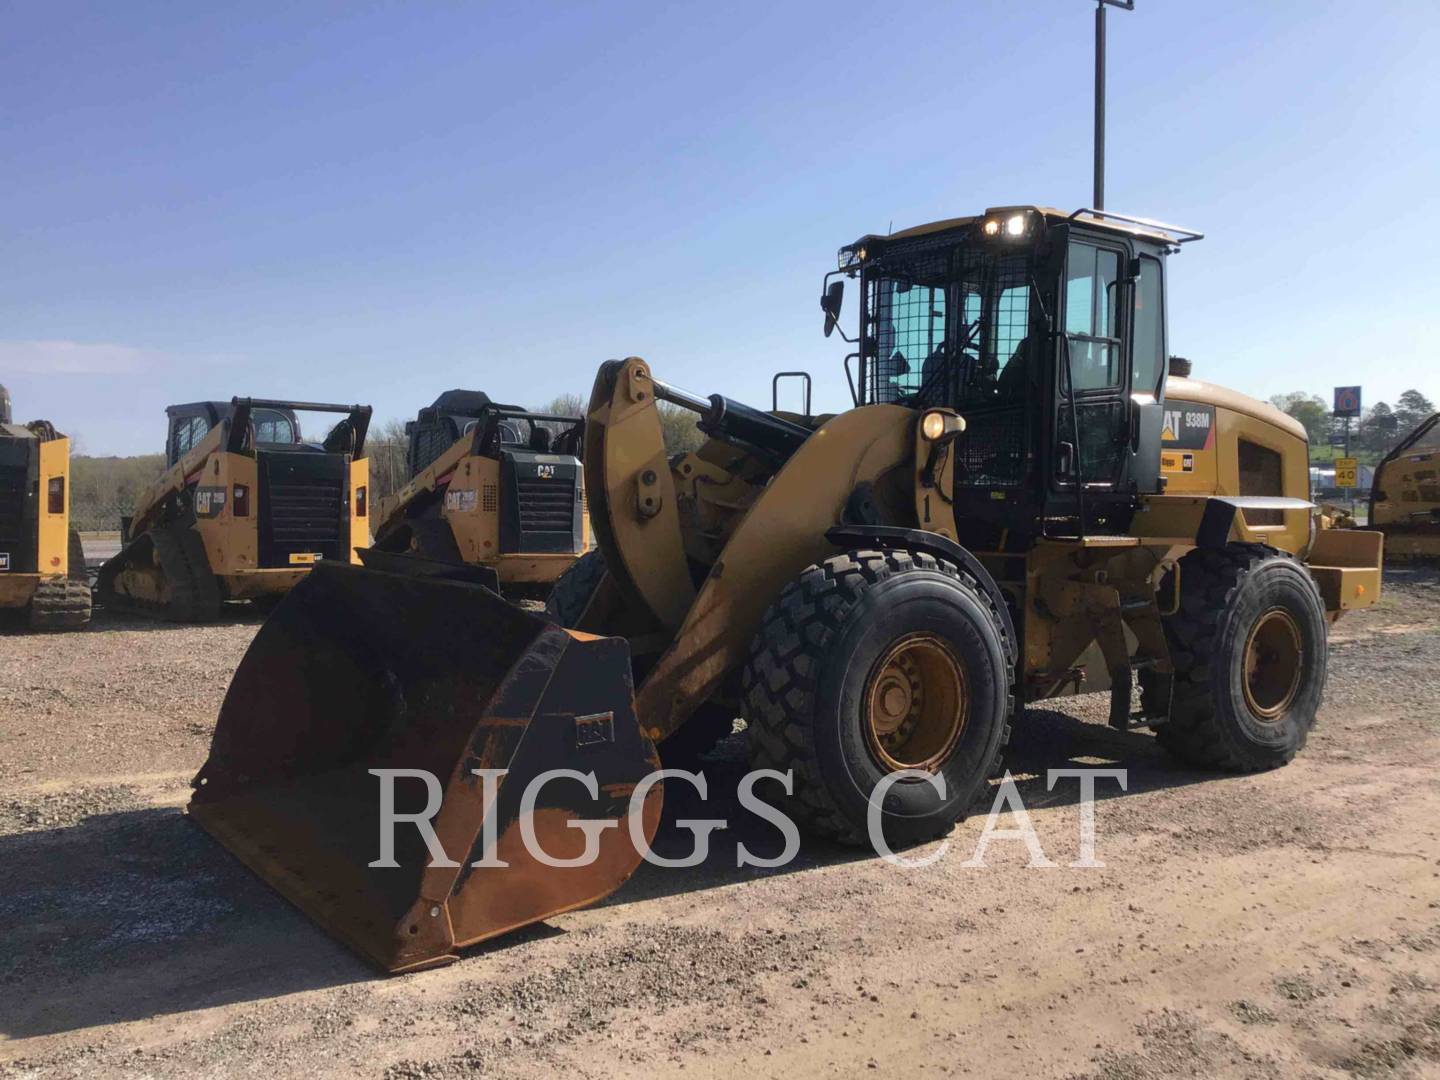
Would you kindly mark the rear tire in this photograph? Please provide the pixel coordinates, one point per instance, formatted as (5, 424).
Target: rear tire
(1250, 647)
(852, 652)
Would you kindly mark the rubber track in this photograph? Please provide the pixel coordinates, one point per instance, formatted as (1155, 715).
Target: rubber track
(60, 604)
(195, 594)
(778, 681)
(1210, 579)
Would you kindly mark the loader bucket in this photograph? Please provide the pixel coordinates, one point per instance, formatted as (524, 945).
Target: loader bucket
(364, 668)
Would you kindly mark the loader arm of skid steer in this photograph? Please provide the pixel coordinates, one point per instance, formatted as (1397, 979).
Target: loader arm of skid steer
(780, 535)
(174, 480)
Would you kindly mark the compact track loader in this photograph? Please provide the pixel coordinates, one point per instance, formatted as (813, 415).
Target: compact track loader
(42, 565)
(244, 509)
(494, 486)
(1023, 504)
(1405, 494)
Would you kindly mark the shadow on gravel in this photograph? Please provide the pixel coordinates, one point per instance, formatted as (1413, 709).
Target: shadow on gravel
(231, 614)
(137, 914)
(1043, 739)
(15, 622)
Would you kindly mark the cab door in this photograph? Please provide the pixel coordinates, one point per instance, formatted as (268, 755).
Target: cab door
(1107, 421)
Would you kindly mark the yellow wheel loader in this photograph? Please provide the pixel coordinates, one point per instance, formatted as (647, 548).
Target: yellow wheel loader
(244, 509)
(1023, 504)
(42, 565)
(1405, 494)
(493, 486)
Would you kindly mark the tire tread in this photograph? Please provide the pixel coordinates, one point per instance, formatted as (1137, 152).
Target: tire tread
(778, 680)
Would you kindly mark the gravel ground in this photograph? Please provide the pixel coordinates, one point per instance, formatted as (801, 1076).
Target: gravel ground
(1279, 925)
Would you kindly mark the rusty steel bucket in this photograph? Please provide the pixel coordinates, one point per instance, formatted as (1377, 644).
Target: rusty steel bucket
(407, 667)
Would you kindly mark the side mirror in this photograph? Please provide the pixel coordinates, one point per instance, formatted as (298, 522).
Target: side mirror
(831, 304)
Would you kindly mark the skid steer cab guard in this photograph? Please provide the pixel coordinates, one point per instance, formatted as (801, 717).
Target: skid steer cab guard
(336, 686)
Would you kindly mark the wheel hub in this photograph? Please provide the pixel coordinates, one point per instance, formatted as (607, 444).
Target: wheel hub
(1274, 662)
(916, 704)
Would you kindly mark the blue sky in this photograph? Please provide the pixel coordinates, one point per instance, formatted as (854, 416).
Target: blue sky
(375, 202)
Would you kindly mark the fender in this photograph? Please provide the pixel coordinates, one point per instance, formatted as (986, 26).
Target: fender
(890, 537)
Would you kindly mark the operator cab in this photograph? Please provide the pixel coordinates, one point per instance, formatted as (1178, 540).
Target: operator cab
(1046, 332)
(274, 428)
(492, 425)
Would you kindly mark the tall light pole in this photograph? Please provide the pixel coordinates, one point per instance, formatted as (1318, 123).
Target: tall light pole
(1100, 5)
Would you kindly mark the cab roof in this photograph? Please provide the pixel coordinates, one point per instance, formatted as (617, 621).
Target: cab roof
(1125, 224)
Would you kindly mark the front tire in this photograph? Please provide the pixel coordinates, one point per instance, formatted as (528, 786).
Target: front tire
(573, 589)
(869, 663)
(1250, 648)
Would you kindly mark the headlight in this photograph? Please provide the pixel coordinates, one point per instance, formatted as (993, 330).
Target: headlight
(1012, 228)
(850, 256)
(937, 424)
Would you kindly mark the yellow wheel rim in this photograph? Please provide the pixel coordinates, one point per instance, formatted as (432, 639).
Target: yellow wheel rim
(916, 704)
(1274, 659)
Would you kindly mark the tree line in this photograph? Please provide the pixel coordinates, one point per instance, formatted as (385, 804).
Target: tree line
(1372, 435)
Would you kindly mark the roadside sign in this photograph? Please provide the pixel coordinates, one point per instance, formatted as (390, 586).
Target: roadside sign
(1346, 470)
(1347, 401)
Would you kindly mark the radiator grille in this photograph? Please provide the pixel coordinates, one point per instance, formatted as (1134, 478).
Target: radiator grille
(991, 452)
(546, 506)
(13, 482)
(302, 507)
(304, 512)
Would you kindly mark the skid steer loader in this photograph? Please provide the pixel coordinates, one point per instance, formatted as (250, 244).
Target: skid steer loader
(243, 511)
(1405, 495)
(42, 565)
(1023, 504)
(494, 486)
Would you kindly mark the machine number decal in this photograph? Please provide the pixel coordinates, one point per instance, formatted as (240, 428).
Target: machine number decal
(1188, 427)
(460, 501)
(209, 501)
(304, 558)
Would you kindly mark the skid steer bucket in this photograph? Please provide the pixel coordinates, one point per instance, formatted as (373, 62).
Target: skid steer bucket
(362, 669)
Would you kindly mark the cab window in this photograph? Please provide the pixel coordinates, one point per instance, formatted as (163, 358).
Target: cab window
(188, 431)
(1148, 347)
(910, 330)
(1092, 324)
(273, 428)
